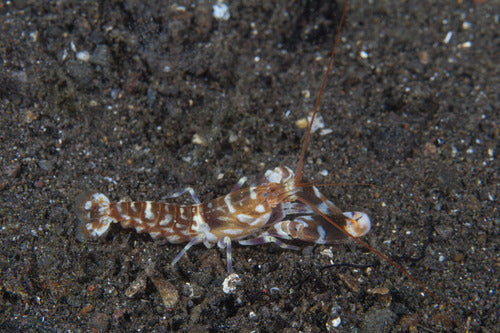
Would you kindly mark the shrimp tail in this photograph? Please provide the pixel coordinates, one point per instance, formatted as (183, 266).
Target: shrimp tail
(93, 211)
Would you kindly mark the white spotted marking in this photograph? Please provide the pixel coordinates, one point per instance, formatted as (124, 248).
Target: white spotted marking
(155, 234)
(101, 198)
(305, 218)
(227, 200)
(323, 207)
(261, 220)
(281, 231)
(198, 218)
(173, 238)
(180, 226)
(139, 228)
(148, 212)
(232, 231)
(168, 230)
(184, 232)
(273, 176)
(317, 193)
(209, 205)
(253, 194)
(166, 220)
(104, 226)
(224, 218)
(260, 208)
(244, 218)
(87, 205)
(322, 234)
(182, 211)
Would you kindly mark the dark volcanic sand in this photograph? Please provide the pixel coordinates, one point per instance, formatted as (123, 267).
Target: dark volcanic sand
(416, 115)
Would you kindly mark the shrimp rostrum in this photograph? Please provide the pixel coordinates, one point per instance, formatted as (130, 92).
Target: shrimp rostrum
(269, 212)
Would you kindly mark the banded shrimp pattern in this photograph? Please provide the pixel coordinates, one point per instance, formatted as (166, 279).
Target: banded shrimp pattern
(241, 215)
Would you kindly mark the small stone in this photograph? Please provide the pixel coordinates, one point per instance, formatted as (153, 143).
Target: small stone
(199, 140)
(83, 56)
(46, 165)
(39, 183)
(101, 56)
(459, 257)
(301, 123)
(430, 149)
(379, 291)
(351, 282)
(139, 285)
(423, 57)
(86, 309)
(118, 313)
(230, 283)
(13, 170)
(99, 322)
(168, 292)
(327, 252)
(444, 231)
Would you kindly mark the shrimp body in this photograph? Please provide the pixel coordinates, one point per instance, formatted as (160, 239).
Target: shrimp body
(252, 216)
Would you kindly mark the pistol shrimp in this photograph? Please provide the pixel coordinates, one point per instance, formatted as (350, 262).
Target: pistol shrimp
(281, 206)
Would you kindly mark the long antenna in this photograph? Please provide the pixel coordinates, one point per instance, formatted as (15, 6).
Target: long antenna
(300, 164)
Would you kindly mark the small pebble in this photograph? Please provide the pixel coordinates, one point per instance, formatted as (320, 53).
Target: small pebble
(139, 285)
(86, 309)
(301, 123)
(447, 39)
(423, 57)
(168, 292)
(46, 165)
(101, 56)
(99, 322)
(83, 56)
(230, 283)
(332, 324)
(458, 257)
(327, 252)
(379, 291)
(13, 170)
(118, 313)
(221, 12)
(199, 140)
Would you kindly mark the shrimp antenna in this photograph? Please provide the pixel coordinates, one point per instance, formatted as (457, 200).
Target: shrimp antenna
(300, 164)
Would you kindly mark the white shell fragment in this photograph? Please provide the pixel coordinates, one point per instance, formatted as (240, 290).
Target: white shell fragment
(319, 122)
(447, 39)
(221, 11)
(168, 292)
(83, 56)
(230, 283)
(333, 324)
